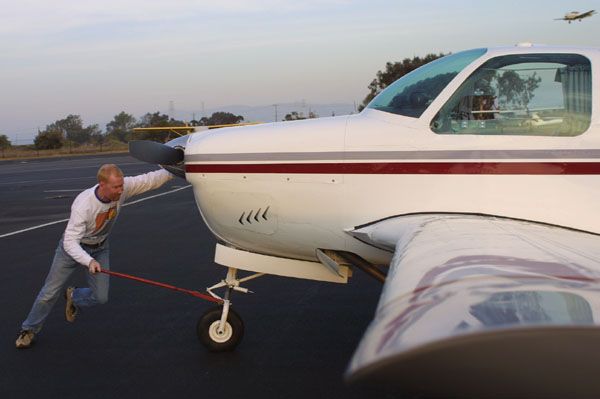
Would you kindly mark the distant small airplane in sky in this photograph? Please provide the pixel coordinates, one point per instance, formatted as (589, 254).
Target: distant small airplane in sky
(576, 15)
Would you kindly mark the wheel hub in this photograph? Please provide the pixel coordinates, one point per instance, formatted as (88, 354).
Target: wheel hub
(218, 336)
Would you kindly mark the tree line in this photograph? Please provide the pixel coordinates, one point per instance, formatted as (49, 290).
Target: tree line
(71, 130)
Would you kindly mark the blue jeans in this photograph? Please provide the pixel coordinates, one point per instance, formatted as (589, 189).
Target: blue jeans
(60, 271)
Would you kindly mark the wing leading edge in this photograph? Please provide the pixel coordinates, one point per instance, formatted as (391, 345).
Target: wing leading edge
(484, 306)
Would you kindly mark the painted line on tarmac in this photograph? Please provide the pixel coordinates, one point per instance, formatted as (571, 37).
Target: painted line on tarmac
(66, 220)
(33, 228)
(65, 191)
(157, 195)
(47, 181)
(66, 167)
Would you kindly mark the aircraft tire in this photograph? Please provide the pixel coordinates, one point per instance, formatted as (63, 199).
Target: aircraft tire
(209, 336)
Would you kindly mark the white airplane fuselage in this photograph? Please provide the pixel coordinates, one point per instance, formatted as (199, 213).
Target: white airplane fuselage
(576, 15)
(287, 189)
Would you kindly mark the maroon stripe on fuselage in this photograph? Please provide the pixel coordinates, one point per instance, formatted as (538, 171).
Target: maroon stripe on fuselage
(400, 168)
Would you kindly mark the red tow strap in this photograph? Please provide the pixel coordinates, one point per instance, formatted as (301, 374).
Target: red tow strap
(197, 294)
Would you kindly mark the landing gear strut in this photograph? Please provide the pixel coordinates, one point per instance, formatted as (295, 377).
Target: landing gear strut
(221, 329)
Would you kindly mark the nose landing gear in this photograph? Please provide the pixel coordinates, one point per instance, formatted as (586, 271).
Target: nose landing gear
(221, 329)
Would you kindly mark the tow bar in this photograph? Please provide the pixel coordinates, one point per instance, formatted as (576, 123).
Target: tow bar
(197, 294)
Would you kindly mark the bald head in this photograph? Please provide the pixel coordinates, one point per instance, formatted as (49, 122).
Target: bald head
(110, 182)
(107, 170)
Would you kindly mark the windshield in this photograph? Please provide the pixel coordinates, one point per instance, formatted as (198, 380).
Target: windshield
(411, 94)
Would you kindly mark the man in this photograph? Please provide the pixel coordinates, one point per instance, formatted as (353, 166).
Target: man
(85, 242)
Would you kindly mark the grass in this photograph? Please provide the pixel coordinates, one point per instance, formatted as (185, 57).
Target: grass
(29, 151)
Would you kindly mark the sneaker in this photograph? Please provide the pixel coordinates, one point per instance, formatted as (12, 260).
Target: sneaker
(70, 308)
(25, 339)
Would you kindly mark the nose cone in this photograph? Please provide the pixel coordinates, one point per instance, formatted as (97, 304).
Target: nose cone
(178, 144)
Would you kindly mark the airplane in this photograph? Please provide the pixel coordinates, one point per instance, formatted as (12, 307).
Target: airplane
(576, 15)
(485, 230)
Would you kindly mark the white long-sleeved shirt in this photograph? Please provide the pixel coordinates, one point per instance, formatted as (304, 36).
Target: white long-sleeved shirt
(91, 219)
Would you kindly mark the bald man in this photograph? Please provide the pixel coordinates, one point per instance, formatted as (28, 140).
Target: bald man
(85, 242)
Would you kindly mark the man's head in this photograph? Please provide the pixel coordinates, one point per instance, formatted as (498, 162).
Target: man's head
(110, 182)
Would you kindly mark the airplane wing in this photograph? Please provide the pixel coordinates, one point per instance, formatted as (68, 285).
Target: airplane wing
(478, 305)
(586, 14)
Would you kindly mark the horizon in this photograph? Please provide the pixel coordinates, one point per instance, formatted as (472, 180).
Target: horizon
(258, 113)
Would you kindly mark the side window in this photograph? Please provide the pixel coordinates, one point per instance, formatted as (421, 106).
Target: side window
(532, 94)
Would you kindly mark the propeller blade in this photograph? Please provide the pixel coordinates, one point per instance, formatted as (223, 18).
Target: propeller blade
(153, 152)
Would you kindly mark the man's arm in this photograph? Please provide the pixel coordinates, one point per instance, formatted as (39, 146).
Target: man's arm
(135, 185)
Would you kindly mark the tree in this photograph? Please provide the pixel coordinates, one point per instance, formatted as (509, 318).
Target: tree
(68, 129)
(4, 143)
(394, 71)
(72, 127)
(294, 116)
(159, 120)
(121, 127)
(96, 135)
(515, 91)
(219, 118)
(49, 139)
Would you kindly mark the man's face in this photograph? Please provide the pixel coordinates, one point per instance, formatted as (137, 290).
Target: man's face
(112, 188)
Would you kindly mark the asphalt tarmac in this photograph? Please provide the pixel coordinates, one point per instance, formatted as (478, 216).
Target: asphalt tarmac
(299, 335)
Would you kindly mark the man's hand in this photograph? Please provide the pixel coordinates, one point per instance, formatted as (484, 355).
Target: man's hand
(94, 267)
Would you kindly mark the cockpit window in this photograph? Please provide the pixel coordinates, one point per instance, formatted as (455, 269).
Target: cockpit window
(526, 94)
(411, 94)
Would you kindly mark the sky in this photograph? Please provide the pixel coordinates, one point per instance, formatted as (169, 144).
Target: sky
(98, 58)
